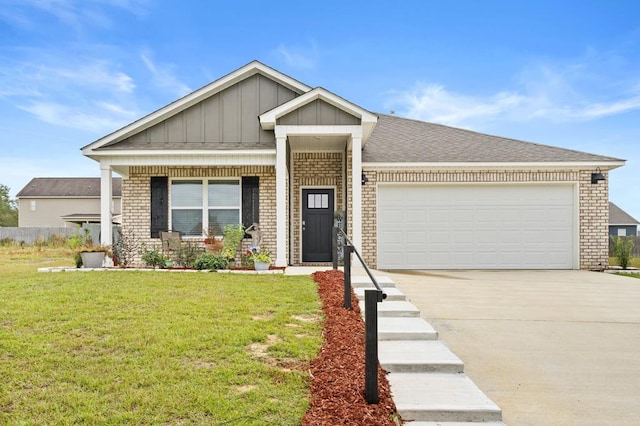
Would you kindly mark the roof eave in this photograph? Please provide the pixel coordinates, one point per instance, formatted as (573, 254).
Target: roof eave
(556, 165)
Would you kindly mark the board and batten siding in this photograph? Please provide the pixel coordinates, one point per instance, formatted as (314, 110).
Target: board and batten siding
(318, 112)
(230, 116)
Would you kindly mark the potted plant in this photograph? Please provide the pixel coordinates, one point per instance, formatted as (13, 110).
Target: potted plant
(261, 258)
(91, 255)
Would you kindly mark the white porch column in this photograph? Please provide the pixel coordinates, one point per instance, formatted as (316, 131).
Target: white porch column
(281, 198)
(106, 190)
(356, 191)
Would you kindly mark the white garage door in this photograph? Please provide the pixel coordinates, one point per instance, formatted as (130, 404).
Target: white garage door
(476, 227)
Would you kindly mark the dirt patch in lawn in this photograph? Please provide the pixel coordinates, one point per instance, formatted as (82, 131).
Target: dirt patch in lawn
(337, 388)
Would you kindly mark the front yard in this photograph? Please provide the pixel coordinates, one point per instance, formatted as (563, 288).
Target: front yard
(152, 347)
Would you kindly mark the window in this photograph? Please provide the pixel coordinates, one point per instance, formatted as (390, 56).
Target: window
(33, 205)
(198, 205)
(622, 232)
(318, 201)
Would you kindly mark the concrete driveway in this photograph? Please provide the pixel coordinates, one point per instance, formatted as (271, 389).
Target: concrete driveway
(549, 347)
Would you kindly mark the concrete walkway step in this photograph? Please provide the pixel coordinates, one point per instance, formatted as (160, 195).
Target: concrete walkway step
(365, 281)
(393, 294)
(425, 356)
(398, 328)
(394, 308)
(441, 397)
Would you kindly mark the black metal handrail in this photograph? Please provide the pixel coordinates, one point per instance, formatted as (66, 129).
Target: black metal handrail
(371, 300)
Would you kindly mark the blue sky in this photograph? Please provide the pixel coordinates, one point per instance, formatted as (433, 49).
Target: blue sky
(558, 73)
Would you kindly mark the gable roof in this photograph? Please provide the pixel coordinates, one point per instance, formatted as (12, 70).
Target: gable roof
(252, 68)
(402, 140)
(367, 119)
(617, 216)
(67, 187)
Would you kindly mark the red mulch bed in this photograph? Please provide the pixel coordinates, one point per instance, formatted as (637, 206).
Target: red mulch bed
(337, 388)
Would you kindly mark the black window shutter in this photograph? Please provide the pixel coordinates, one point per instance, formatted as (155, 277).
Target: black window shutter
(159, 205)
(250, 201)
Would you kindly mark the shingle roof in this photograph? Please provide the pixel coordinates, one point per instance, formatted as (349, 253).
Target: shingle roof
(617, 216)
(67, 187)
(402, 140)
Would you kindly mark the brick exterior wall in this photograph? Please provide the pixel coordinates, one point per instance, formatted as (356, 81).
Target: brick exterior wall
(314, 169)
(593, 204)
(136, 198)
(327, 169)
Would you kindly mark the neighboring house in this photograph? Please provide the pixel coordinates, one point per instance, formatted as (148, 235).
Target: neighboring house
(64, 202)
(621, 224)
(259, 146)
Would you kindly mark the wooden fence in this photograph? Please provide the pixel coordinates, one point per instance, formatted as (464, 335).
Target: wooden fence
(30, 235)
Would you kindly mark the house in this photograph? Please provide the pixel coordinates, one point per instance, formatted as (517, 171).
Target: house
(64, 202)
(259, 146)
(621, 224)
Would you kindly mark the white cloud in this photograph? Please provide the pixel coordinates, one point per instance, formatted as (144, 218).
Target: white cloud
(163, 76)
(575, 92)
(100, 118)
(72, 91)
(297, 57)
(76, 14)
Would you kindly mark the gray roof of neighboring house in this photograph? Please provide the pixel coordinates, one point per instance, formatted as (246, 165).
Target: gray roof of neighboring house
(67, 187)
(402, 140)
(617, 216)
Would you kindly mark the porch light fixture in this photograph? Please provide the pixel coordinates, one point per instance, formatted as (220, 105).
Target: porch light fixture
(364, 179)
(597, 176)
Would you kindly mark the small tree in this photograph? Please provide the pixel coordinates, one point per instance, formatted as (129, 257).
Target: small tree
(233, 235)
(622, 250)
(8, 208)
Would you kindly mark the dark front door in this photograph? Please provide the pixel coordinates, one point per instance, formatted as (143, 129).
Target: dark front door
(317, 221)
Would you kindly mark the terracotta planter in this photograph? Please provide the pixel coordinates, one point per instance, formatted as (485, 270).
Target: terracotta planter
(92, 259)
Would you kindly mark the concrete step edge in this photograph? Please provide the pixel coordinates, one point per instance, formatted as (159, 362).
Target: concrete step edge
(427, 356)
(440, 397)
(407, 328)
(394, 308)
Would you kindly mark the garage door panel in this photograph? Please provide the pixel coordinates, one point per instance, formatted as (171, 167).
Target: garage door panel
(477, 226)
(462, 237)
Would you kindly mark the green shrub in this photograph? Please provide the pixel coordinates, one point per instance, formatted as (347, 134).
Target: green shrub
(77, 259)
(210, 261)
(78, 240)
(7, 242)
(187, 254)
(622, 250)
(152, 257)
(125, 247)
(233, 235)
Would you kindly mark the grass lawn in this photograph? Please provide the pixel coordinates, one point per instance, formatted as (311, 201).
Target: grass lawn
(152, 347)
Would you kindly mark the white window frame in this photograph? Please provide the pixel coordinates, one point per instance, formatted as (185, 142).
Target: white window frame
(622, 232)
(204, 208)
